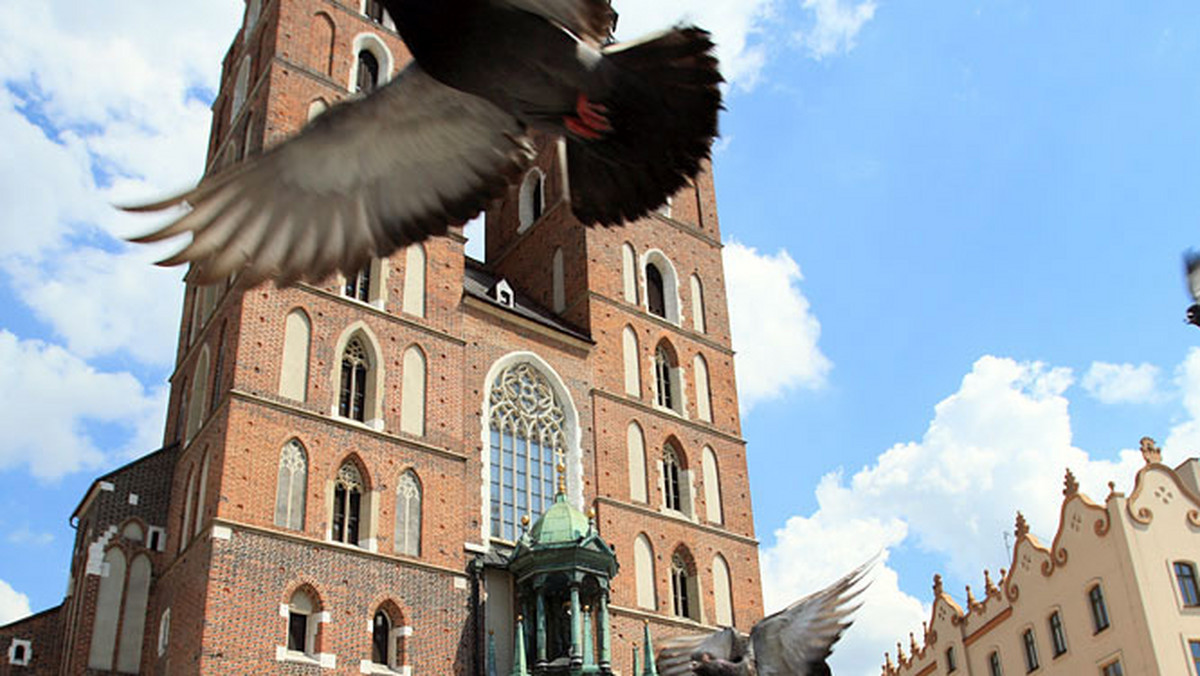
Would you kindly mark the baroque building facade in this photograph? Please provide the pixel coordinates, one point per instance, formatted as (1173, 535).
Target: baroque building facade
(348, 467)
(1114, 593)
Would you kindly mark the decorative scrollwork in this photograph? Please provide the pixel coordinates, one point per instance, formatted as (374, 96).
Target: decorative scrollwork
(523, 401)
(1012, 592)
(1143, 515)
(1193, 517)
(1102, 526)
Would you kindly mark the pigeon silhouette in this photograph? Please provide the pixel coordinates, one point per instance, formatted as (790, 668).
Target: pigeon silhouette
(452, 130)
(1191, 270)
(795, 641)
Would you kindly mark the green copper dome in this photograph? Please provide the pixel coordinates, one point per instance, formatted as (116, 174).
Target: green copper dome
(561, 524)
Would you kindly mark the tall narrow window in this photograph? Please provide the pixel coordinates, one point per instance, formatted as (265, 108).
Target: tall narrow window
(291, 486)
(713, 509)
(643, 565)
(414, 280)
(1029, 645)
(994, 668)
(241, 87)
(629, 273)
(698, 321)
(408, 515)
(354, 381)
(358, 286)
(683, 588)
(703, 396)
(665, 379)
(197, 409)
(215, 390)
(672, 493)
(293, 370)
(558, 273)
(185, 527)
(722, 592)
(633, 376)
(381, 631)
(302, 626)
(1185, 575)
(374, 11)
(1099, 608)
(368, 72)
(656, 301)
(201, 493)
(133, 622)
(635, 444)
(1113, 669)
(951, 660)
(412, 401)
(532, 200)
(527, 434)
(108, 611)
(1058, 637)
(1194, 647)
(347, 504)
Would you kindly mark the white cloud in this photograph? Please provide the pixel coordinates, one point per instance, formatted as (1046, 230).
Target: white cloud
(1000, 443)
(737, 26)
(1184, 440)
(116, 121)
(774, 330)
(48, 399)
(835, 25)
(13, 604)
(25, 536)
(1122, 383)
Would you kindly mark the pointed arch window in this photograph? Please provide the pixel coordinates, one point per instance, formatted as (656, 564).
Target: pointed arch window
(408, 515)
(368, 72)
(355, 366)
(703, 393)
(672, 480)
(293, 371)
(643, 564)
(108, 611)
(133, 622)
(414, 280)
(413, 386)
(635, 443)
(629, 273)
(347, 504)
(683, 596)
(713, 508)
(633, 376)
(527, 434)
(666, 379)
(532, 200)
(184, 532)
(381, 630)
(722, 592)
(656, 301)
(698, 321)
(291, 486)
(302, 624)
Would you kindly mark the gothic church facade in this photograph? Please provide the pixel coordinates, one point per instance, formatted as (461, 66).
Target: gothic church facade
(346, 466)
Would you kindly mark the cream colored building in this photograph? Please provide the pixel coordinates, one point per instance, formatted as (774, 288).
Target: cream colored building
(1114, 594)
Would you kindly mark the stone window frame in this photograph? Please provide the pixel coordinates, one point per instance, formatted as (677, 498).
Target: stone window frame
(297, 463)
(684, 577)
(572, 431)
(350, 478)
(670, 285)
(414, 485)
(315, 616)
(383, 56)
(374, 294)
(531, 199)
(26, 646)
(373, 405)
(399, 633)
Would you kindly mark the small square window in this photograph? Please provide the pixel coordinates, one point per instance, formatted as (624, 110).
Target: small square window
(20, 652)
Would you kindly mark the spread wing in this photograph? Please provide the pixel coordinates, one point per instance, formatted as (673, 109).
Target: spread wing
(675, 655)
(1191, 267)
(367, 178)
(791, 641)
(589, 19)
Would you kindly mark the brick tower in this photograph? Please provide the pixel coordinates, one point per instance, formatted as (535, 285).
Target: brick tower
(347, 465)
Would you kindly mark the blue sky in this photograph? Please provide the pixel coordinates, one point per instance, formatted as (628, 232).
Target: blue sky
(968, 217)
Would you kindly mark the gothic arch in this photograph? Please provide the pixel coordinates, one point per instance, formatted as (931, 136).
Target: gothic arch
(371, 43)
(323, 35)
(376, 373)
(572, 433)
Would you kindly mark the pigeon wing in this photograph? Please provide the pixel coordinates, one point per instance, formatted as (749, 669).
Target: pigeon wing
(364, 179)
(790, 641)
(589, 19)
(675, 653)
(1191, 267)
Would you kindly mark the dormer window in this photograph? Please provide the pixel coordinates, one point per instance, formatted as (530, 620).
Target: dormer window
(503, 293)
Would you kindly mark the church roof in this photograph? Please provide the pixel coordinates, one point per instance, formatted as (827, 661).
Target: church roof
(478, 283)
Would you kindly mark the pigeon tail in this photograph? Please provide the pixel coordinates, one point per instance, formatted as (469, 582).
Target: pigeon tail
(662, 108)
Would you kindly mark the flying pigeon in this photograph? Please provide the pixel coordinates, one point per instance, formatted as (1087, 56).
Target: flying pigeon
(1191, 268)
(452, 130)
(795, 641)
